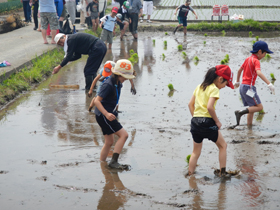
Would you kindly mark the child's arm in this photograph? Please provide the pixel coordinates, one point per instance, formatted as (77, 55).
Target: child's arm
(132, 89)
(191, 105)
(270, 86)
(260, 74)
(176, 10)
(195, 14)
(98, 104)
(93, 84)
(237, 83)
(212, 112)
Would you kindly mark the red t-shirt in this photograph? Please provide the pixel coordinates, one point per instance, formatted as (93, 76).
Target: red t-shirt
(250, 67)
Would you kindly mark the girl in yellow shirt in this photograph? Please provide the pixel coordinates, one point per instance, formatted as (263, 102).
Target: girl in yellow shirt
(205, 123)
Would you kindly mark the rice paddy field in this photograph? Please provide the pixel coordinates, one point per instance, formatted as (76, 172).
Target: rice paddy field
(262, 14)
(222, 2)
(251, 9)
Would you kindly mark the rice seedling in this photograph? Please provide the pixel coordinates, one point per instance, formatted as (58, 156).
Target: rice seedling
(170, 86)
(223, 62)
(165, 43)
(223, 33)
(196, 58)
(188, 158)
(261, 112)
(131, 52)
(257, 38)
(154, 42)
(204, 42)
(166, 33)
(180, 47)
(250, 34)
(205, 35)
(272, 76)
(163, 56)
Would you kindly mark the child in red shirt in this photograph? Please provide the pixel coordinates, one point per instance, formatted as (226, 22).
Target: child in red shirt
(251, 70)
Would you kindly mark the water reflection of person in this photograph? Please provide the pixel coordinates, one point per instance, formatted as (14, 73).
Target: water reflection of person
(111, 198)
(250, 187)
(197, 200)
(148, 54)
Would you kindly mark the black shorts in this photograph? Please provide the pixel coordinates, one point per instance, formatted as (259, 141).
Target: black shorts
(108, 127)
(204, 127)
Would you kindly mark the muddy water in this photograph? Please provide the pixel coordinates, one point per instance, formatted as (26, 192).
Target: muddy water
(50, 144)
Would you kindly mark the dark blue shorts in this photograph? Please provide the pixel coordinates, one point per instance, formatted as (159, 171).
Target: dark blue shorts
(204, 127)
(247, 100)
(108, 127)
(183, 20)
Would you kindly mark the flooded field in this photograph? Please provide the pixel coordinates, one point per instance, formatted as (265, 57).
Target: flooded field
(50, 143)
(264, 14)
(220, 2)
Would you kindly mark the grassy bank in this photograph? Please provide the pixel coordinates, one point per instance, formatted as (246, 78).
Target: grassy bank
(28, 77)
(246, 25)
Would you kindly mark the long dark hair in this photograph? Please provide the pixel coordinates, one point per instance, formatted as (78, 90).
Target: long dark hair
(209, 78)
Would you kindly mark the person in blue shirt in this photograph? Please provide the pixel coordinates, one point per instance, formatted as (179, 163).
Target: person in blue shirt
(182, 16)
(108, 23)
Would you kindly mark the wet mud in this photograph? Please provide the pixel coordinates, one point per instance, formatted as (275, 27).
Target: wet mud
(50, 143)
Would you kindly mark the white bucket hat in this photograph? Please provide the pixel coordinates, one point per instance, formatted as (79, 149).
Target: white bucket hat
(58, 36)
(124, 68)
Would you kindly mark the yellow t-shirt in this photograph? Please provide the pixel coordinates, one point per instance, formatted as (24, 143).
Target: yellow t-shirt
(202, 98)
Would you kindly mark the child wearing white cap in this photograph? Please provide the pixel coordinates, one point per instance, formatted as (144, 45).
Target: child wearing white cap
(106, 103)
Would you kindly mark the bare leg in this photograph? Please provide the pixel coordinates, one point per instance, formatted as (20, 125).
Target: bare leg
(110, 46)
(44, 35)
(91, 104)
(185, 30)
(93, 24)
(123, 135)
(252, 110)
(96, 23)
(222, 145)
(149, 16)
(109, 140)
(194, 157)
(53, 33)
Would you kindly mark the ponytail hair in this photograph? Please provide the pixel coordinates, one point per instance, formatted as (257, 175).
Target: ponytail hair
(209, 78)
(115, 82)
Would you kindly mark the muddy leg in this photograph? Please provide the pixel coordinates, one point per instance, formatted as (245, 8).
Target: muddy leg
(194, 157)
(109, 140)
(222, 145)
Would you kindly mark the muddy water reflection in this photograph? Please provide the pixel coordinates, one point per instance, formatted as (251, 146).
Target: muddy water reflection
(69, 139)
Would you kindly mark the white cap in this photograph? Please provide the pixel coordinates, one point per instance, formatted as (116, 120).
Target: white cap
(119, 15)
(58, 36)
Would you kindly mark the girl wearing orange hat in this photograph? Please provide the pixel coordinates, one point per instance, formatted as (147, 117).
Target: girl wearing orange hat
(205, 123)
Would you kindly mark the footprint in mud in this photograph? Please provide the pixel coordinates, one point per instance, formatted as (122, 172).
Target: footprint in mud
(4, 172)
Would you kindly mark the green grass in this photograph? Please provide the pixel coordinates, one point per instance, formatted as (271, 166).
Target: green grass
(10, 6)
(23, 80)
